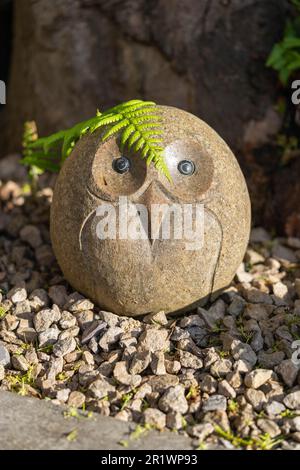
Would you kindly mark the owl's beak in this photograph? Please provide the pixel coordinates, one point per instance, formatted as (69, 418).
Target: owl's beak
(151, 199)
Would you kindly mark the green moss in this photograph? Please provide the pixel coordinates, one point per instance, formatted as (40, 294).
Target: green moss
(140, 430)
(288, 414)
(124, 443)
(233, 406)
(72, 436)
(223, 354)
(202, 446)
(262, 442)
(246, 335)
(285, 55)
(192, 393)
(71, 413)
(19, 383)
(46, 349)
(62, 376)
(3, 311)
(126, 399)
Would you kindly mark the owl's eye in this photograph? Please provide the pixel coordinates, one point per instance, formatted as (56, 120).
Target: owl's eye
(121, 165)
(186, 167)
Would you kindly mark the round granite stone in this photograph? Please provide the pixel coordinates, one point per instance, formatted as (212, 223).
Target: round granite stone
(171, 273)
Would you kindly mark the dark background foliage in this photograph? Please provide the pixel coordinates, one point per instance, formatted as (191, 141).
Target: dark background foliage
(5, 37)
(62, 59)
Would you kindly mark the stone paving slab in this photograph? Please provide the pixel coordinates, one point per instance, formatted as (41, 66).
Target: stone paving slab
(32, 424)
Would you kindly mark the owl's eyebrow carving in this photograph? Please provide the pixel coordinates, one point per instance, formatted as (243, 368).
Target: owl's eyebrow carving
(83, 225)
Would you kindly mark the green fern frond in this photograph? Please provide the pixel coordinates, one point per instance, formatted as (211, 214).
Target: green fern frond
(148, 117)
(140, 112)
(133, 138)
(123, 106)
(145, 151)
(138, 123)
(140, 143)
(105, 121)
(115, 129)
(44, 164)
(131, 106)
(48, 142)
(153, 140)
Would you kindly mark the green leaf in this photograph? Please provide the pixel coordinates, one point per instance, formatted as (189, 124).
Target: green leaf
(133, 138)
(139, 144)
(68, 140)
(285, 55)
(138, 106)
(47, 142)
(139, 123)
(123, 106)
(291, 43)
(142, 119)
(140, 112)
(115, 129)
(126, 134)
(296, 4)
(275, 55)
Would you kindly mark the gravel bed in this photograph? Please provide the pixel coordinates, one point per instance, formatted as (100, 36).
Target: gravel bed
(227, 375)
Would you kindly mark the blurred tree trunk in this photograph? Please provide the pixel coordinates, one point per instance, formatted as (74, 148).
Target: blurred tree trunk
(71, 57)
(205, 56)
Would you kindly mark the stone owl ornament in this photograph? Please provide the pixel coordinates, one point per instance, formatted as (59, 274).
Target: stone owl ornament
(148, 274)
